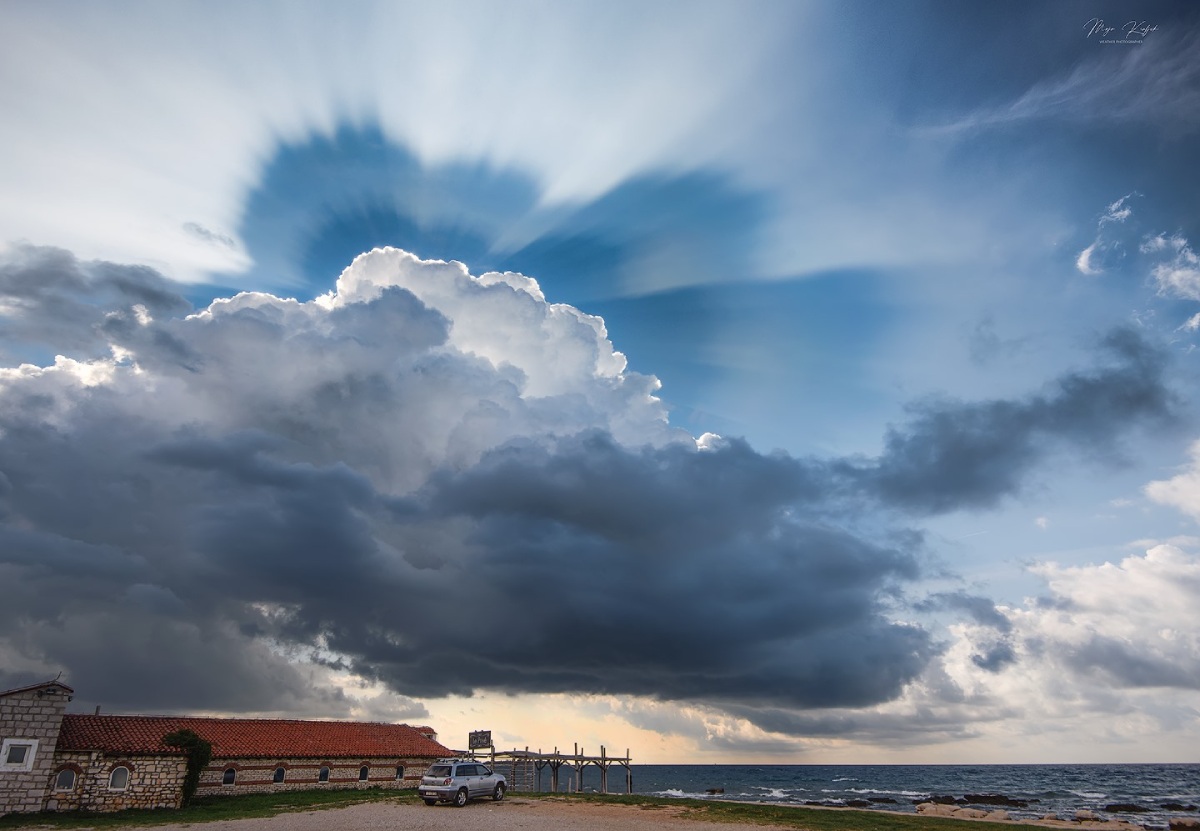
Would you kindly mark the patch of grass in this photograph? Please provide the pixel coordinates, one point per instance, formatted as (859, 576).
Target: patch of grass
(789, 816)
(211, 809)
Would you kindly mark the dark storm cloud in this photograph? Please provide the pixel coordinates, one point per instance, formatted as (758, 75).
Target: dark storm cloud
(111, 587)
(50, 299)
(954, 455)
(248, 495)
(1129, 666)
(981, 609)
(361, 481)
(996, 657)
(670, 573)
(941, 724)
(691, 575)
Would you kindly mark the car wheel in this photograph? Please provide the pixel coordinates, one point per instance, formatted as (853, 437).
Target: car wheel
(498, 794)
(460, 798)
(431, 802)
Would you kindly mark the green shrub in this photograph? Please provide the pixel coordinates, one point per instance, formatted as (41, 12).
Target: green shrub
(198, 753)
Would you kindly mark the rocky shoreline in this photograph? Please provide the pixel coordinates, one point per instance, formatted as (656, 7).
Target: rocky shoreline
(993, 807)
(1081, 818)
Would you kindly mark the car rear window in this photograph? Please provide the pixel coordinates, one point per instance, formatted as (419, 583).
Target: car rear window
(439, 770)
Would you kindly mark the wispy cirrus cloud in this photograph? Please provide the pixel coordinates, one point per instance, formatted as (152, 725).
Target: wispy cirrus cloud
(1155, 81)
(1105, 248)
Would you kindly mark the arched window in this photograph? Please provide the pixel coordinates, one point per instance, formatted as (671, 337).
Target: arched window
(280, 773)
(118, 780)
(230, 776)
(65, 781)
(364, 773)
(399, 772)
(323, 776)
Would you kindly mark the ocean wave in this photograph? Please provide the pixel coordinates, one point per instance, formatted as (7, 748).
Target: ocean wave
(768, 793)
(1059, 789)
(773, 793)
(882, 791)
(676, 793)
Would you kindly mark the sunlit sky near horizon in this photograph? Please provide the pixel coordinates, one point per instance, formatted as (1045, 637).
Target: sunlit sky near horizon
(804, 382)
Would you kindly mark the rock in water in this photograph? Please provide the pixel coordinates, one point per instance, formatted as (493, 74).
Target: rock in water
(936, 809)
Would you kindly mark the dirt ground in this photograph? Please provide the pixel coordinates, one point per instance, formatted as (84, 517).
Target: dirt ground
(512, 813)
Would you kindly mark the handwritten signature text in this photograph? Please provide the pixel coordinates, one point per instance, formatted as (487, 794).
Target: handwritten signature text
(1133, 30)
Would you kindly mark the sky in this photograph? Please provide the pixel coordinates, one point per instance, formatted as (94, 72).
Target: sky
(790, 382)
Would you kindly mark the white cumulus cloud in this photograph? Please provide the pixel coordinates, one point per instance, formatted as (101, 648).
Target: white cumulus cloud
(1084, 261)
(1181, 491)
(1110, 654)
(1179, 273)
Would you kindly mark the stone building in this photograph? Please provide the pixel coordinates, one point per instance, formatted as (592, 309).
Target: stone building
(30, 720)
(52, 760)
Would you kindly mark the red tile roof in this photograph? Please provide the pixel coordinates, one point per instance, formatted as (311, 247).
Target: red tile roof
(251, 737)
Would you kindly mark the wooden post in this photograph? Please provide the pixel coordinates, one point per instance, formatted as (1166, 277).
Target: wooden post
(525, 766)
(603, 772)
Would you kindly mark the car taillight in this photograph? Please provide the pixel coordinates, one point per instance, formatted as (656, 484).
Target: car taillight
(447, 781)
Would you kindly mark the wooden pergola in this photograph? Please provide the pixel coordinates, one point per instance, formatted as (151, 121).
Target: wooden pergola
(520, 762)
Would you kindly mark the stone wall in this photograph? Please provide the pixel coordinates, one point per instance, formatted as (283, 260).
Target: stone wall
(157, 781)
(257, 775)
(153, 782)
(34, 715)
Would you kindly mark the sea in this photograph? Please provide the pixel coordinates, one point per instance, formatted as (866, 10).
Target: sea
(1162, 790)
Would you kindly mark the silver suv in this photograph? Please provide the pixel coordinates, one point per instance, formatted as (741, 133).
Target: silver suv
(459, 780)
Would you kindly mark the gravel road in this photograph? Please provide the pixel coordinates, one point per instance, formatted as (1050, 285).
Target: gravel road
(512, 813)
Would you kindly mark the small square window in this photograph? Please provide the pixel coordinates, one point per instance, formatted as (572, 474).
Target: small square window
(18, 754)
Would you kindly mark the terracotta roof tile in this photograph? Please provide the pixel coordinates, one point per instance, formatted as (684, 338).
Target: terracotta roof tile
(273, 738)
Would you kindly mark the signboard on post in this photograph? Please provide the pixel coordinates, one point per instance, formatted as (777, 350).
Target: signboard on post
(479, 740)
